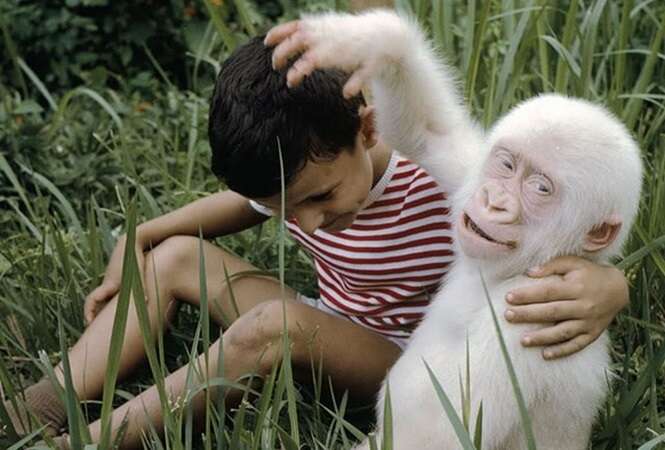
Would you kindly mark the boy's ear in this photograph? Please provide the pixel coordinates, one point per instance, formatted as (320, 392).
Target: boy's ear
(602, 235)
(368, 126)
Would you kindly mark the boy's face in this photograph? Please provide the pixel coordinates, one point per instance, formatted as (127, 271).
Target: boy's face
(328, 194)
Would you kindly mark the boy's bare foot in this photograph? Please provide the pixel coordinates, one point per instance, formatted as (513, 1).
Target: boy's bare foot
(62, 442)
(41, 402)
(58, 442)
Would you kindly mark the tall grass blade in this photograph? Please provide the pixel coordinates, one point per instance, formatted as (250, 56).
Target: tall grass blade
(18, 188)
(8, 388)
(205, 325)
(634, 104)
(238, 424)
(221, 27)
(13, 54)
(441, 25)
(246, 14)
(569, 31)
(618, 78)
(469, 34)
(29, 224)
(653, 246)
(338, 416)
(474, 57)
(287, 370)
(118, 331)
(157, 66)
(63, 204)
(193, 370)
(94, 246)
(465, 390)
(448, 407)
(478, 433)
(192, 140)
(21, 444)
(387, 442)
(87, 92)
(141, 307)
(628, 402)
(508, 66)
(543, 54)
(524, 413)
(108, 240)
(76, 431)
(37, 82)
(264, 407)
(653, 443)
(588, 45)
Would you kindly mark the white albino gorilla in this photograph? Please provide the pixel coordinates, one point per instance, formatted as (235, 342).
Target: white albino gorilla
(555, 176)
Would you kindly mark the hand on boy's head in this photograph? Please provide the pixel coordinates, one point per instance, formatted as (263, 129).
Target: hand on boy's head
(288, 41)
(580, 297)
(315, 48)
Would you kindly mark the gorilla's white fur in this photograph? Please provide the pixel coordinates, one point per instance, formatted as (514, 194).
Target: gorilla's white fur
(597, 169)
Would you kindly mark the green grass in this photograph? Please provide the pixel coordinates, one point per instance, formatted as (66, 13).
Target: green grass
(78, 167)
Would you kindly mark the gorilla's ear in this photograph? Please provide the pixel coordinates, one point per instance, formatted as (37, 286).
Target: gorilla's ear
(602, 235)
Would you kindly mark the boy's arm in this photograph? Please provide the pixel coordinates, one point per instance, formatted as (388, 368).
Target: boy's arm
(216, 215)
(419, 109)
(581, 298)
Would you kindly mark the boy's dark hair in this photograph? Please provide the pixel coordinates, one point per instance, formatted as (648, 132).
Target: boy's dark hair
(252, 109)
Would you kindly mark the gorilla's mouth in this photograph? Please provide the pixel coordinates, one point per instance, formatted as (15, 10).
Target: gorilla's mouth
(471, 225)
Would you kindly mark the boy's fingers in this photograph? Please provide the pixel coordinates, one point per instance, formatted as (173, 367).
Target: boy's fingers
(547, 290)
(558, 266)
(574, 345)
(89, 311)
(557, 334)
(280, 32)
(291, 46)
(544, 312)
(100, 292)
(92, 301)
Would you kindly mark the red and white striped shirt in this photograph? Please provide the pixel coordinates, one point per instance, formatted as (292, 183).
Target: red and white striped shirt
(381, 271)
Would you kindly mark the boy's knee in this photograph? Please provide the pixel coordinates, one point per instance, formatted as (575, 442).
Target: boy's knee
(166, 265)
(173, 253)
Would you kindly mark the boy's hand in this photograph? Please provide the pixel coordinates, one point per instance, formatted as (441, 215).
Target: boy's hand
(100, 296)
(580, 297)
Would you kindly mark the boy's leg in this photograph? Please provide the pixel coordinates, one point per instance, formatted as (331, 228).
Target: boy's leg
(174, 264)
(355, 358)
(171, 274)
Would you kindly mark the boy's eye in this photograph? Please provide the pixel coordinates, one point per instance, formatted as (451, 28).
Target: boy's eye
(321, 197)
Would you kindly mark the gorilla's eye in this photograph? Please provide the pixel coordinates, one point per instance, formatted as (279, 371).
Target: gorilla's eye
(506, 160)
(540, 184)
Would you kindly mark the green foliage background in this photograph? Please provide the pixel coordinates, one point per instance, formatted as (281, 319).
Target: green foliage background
(104, 101)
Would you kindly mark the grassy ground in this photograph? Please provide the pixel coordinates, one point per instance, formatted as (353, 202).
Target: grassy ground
(74, 165)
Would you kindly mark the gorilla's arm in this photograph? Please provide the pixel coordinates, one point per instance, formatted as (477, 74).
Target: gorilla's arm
(419, 109)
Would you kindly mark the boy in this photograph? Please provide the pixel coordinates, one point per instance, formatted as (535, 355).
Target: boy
(376, 224)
